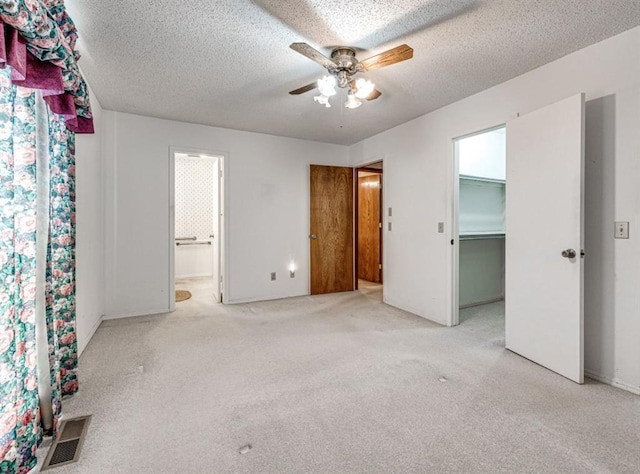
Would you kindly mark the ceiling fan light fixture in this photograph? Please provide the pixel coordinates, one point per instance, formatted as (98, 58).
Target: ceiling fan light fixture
(352, 101)
(322, 100)
(327, 86)
(364, 88)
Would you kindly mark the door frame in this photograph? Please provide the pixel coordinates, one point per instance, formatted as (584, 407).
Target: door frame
(352, 176)
(223, 204)
(356, 215)
(377, 159)
(453, 318)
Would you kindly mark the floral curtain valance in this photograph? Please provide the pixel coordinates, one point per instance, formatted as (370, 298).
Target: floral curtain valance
(37, 39)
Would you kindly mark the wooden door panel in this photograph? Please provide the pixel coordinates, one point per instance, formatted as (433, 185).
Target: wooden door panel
(331, 222)
(369, 228)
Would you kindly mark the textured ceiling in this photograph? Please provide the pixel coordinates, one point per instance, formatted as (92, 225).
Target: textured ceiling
(228, 63)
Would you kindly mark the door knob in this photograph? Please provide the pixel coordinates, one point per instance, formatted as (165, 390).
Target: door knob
(313, 236)
(569, 253)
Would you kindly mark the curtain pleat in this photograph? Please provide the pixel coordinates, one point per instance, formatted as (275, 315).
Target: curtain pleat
(60, 286)
(42, 242)
(20, 431)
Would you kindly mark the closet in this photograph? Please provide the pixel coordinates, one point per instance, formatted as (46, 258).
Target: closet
(481, 218)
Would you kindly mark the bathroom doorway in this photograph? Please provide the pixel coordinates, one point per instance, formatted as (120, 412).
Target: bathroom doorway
(197, 226)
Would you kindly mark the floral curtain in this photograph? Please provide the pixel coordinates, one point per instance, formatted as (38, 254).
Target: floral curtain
(37, 52)
(37, 39)
(20, 429)
(60, 284)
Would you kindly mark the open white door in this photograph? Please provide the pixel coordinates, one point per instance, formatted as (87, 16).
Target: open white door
(215, 236)
(544, 218)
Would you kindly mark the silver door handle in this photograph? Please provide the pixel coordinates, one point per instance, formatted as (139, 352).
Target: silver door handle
(569, 253)
(313, 236)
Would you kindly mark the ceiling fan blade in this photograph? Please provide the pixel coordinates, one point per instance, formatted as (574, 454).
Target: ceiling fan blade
(374, 95)
(303, 89)
(314, 55)
(395, 55)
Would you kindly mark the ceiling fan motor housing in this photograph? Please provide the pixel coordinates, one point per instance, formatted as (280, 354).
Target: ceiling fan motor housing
(346, 64)
(345, 58)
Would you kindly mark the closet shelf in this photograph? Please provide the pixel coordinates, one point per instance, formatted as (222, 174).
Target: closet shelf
(467, 177)
(481, 236)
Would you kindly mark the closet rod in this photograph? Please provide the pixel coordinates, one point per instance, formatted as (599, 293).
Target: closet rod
(481, 237)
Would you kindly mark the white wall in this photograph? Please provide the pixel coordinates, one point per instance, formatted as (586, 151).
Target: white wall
(266, 181)
(481, 271)
(481, 207)
(90, 231)
(418, 177)
(483, 155)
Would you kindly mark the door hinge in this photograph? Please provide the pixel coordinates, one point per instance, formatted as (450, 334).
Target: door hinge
(380, 225)
(221, 173)
(379, 266)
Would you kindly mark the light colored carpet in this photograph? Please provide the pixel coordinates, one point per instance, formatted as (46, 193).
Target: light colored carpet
(336, 384)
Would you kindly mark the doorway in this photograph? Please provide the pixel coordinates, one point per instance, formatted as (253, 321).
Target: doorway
(369, 218)
(479, 217)
(197, 226)
(542, 226)
(331, 234)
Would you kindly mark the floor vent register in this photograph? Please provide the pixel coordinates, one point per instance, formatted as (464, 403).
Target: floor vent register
(66, 449)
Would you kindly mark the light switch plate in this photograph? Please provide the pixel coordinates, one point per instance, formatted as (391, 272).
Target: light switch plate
(390, 212)
(440, 227)
(622, 230)
(389, 226)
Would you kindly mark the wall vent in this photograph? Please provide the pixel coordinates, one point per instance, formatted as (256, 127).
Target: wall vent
(66, 449)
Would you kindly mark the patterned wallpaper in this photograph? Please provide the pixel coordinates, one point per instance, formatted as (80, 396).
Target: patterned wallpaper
(194, 197)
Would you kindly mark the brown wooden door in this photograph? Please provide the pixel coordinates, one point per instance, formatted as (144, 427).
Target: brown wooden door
(369, 231)
(331, 232)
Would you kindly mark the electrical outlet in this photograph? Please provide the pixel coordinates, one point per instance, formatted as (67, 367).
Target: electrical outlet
(389, 226)
(273, 276)
(622, 230)
(390, 213)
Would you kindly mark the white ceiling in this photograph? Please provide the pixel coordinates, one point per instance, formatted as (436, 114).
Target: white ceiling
(228, 63)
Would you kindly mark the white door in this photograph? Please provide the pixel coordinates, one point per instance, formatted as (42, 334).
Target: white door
(544, 217)
(215, 239)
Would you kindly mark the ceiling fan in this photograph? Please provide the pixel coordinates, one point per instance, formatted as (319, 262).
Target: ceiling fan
(342, 66)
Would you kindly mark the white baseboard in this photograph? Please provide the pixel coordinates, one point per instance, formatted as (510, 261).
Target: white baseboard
(613, 382)
(134, 314)
(411, 310)
(263, 298)
(93, 330)
(480, 303)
